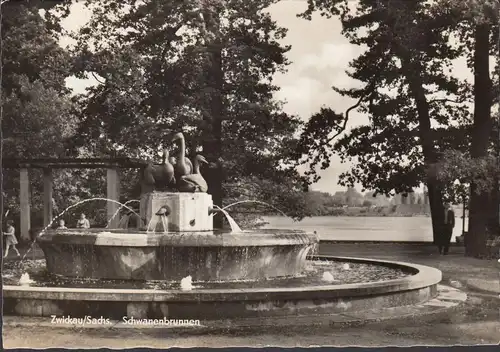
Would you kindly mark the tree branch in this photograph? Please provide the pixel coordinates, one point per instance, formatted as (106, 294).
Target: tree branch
(97, 79)
(368, 91)
(445, 100)
(172, 34)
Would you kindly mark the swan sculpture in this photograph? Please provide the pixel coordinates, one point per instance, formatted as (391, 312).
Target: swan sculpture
(193, 182)
(183, 165)
(165, 172)
(172, 160)
(148, 173)
(148, 180)
(160, 176)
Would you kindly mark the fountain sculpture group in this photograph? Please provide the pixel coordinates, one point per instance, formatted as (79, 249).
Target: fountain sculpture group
(179, 239)
(178, 242)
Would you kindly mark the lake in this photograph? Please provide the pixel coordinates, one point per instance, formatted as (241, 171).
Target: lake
(348, 228)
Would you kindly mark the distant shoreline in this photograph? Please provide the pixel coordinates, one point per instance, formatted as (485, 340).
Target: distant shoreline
(365, 215)
(402, 210)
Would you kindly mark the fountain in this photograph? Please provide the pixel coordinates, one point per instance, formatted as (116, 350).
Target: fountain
(176, 265)
(178, 241)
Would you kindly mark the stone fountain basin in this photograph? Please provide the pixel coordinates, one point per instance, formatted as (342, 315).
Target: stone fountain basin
(205, 256)
(212, 304)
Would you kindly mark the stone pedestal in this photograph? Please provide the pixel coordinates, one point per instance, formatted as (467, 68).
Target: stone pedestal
(188, 211)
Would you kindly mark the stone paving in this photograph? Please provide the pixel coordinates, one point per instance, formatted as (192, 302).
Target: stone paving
(474, 321)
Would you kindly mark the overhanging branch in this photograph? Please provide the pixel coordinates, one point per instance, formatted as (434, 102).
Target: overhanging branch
(445, 100)
(368, 91)
(97, 79)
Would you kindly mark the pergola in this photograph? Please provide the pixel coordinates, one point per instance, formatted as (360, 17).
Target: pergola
(112, 165)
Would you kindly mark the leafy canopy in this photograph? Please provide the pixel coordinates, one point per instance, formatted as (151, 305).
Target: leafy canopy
(402, 39)
(153, 62)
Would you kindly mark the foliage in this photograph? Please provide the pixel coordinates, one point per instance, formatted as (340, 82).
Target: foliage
(154, 61)
(367, 203)
(36, 106)
(388, 151)
(351, 202)
(418, 111)
(37, 110)
(458, 170)
(281, 198)
(38, 113)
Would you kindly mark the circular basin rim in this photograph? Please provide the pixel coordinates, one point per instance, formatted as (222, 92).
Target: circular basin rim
(426, 276)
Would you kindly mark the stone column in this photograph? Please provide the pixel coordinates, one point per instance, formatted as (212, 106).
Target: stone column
(47, 196)
(24, 200)
(113, 193)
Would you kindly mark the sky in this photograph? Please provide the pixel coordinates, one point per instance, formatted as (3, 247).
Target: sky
(319, 58)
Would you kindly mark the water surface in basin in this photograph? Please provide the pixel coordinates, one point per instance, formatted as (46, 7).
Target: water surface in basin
(318, 273)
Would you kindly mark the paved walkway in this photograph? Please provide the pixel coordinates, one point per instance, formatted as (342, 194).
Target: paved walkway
(474, 322)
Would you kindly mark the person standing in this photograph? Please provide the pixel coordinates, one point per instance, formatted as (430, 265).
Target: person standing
(447, 232)
(10, 238)
(83, 223)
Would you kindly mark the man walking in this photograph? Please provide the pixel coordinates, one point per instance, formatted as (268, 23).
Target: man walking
(446, 233)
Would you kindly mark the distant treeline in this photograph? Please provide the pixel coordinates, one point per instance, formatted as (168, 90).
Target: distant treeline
(353, 203)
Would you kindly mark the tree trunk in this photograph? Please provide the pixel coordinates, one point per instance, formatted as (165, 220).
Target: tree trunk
(1, 195)
(437, 208)
(494, 201)
(475, 245)
(427, 142)
(412, 72)
(212, 144)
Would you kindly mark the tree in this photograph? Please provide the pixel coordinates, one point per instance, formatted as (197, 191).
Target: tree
(367, 203)
(37, 109)
(36, 105)
(404, 199)
(477, 23)
(419, 200)
(412, 198)
(416, 48)
(377, 199)
(280, 198)
(203, 67)
(478, 214)
(353, 197)
(408, 53)
(479, 200)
